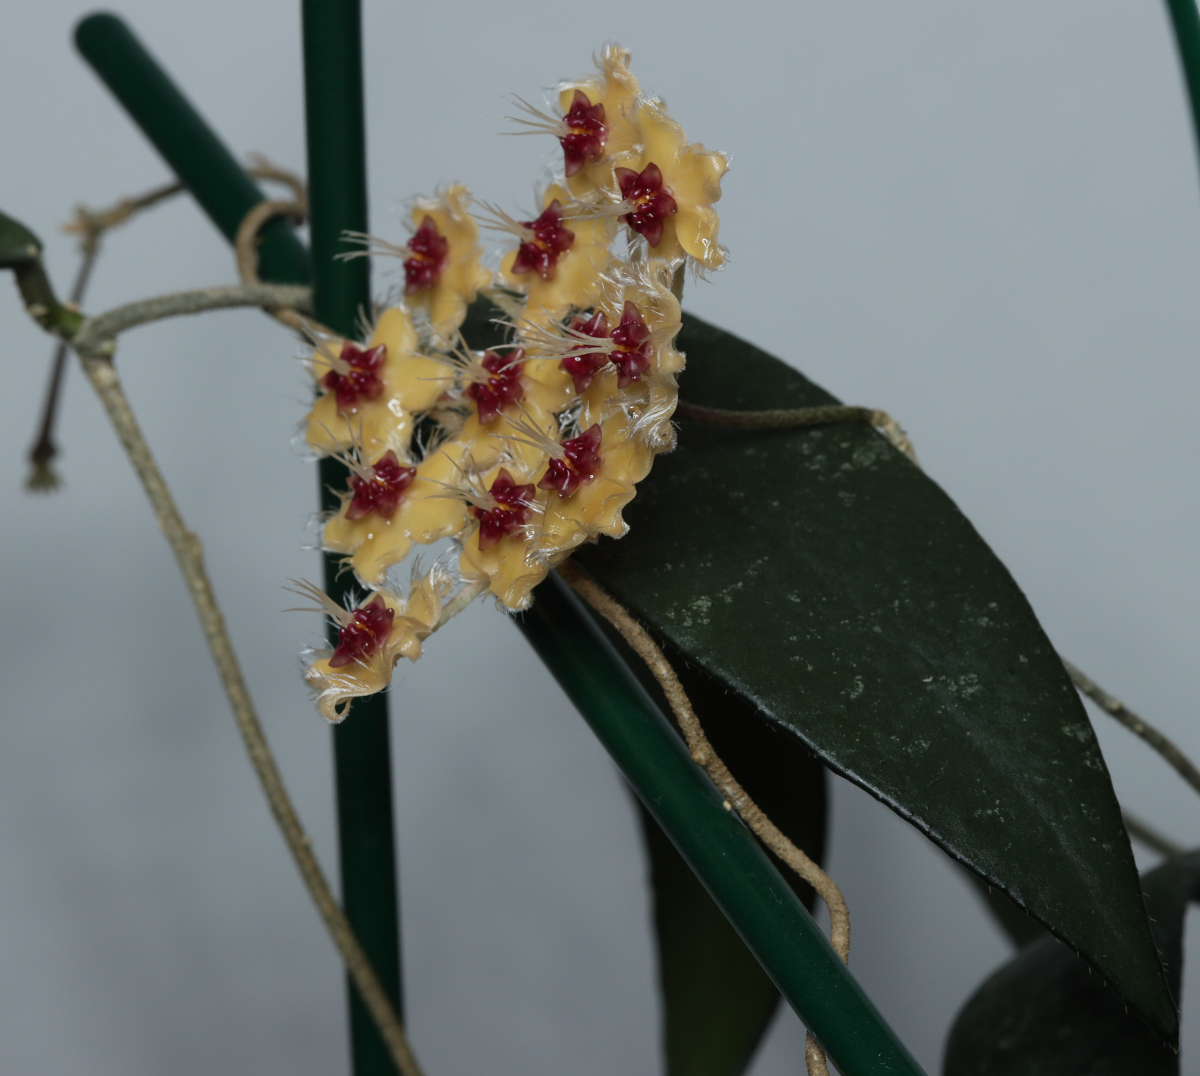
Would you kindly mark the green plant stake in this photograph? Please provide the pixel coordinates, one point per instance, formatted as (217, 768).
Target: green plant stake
(733, 867)
(799, 561)
(337, 180)
(186, 142)
(338, 202)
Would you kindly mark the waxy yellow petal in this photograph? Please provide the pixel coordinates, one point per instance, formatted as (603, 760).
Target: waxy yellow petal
(505, 567)
(463, 276)
(411, 382)
(614, 87)
(578, 275)
(427, 513)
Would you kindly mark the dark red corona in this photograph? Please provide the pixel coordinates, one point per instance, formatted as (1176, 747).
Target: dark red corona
(549, 243)
(366, 631)
(584, 366)
(586, 135)
(381, 493)
(362, 381)
(651, 201)
(429, 251)
(503, 386)
(513, 506)
(580, 462)
(632, 353)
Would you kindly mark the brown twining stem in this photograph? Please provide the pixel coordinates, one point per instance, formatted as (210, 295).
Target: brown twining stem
(44, 451)
(95, 354)
(795, 417)
(98, 333)
(1150, 837)
(245, 245)
(245, 248)
(1113, 706)
(262, 168)
(90, 225)
(703, 755)
(814, 1056)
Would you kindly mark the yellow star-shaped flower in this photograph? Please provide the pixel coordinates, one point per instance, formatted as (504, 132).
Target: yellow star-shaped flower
(667, 189)
(372, 639)
(369, 395)
(614, 87)
(507, 511)
(443, 273)
(557, 274)
(383, 515)
(582, 506)
(520, 386)
(641, 317)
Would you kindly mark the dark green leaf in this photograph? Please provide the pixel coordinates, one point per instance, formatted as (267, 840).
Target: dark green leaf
(827, 580)
(1045, 1014)
(1020, 928)
(18, 245)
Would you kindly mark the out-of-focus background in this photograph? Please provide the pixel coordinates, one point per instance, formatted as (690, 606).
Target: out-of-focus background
(985, 218)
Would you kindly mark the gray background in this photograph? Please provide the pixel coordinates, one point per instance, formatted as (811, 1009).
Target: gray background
(985, 218)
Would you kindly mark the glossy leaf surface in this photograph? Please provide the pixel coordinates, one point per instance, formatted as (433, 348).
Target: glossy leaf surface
(1045, 1014)
(1019, 927)
(827, 580)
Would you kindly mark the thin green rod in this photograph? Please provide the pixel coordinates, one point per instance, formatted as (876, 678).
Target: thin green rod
(1185, 22)
(727, 859)
(338, 196)
(186, 142)
(724, 855)
(337, 185)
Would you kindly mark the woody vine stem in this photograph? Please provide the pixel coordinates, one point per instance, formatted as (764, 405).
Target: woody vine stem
(94, 347)
(94, 341)
(704, 756)
(91, 225)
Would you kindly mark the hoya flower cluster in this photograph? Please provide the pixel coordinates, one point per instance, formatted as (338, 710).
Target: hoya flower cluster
(521, 453)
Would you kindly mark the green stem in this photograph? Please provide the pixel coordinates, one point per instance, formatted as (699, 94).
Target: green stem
(719, 849)
(337, 184)
(733, 867)
(338, 202)
(188, 145)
